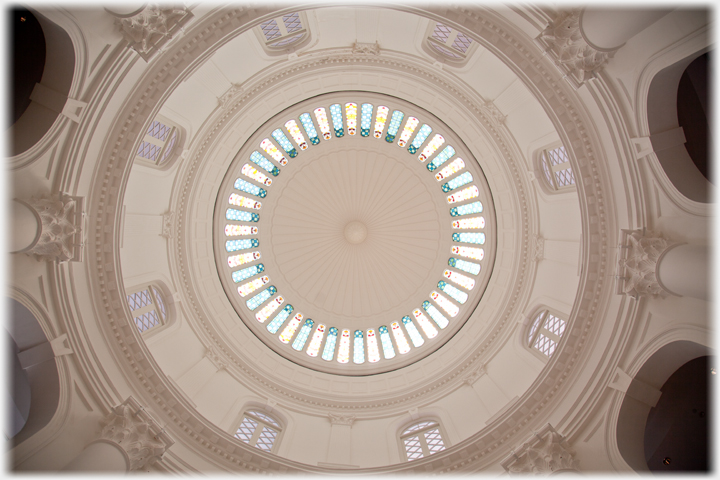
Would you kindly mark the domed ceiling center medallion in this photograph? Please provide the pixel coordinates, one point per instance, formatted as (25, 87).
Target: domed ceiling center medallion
(355, 232)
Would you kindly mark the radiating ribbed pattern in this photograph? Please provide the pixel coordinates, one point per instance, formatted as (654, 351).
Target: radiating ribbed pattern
(364, 279)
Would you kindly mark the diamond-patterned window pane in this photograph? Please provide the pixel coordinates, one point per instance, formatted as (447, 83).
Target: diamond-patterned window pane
(546, 171)
(246, 429)
(445, 51)
(287, 40)
(413, 448)
(139, 299)
(270, 29)
(558, 156)
(159, 130)
(441, 33)
(418, 426)
(545, 345)
(565, 177)
(535, 325)
(262, 416)
(266, 439)
(148, 150)
(147, 321)
(434, 441)
(555, 325)
(169, 147)
(292, 22)
(462, 42)
(160, 302)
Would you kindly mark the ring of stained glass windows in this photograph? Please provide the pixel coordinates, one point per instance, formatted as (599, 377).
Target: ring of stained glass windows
(282, 321)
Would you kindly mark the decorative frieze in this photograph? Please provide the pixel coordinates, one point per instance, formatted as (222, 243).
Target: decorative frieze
(131, 428)
(538, 247)
(366, 48)
(640, 251)
(494, 112)
(572, 54)
(544, 453)
(341, 419)
(61, 227)
(148, 30)
(168, 224)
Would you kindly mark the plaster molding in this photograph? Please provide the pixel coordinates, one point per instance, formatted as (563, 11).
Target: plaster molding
(475, 375)
(215, 358)
(640, 252)
(366, 48)
(235, 90)
(538, 247)
(544, 453)
(61, 228)
(147, 32)
(132, 429)
(494, 112)
(341, 419)
(168, 225)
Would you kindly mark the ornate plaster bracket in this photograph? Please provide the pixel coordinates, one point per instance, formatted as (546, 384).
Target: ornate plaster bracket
(639, 254)
(538, 247)
(563, 40)
(147, 30)
(366, 48)
(61, 228)
(341, 419)
(168, 225)
(544, 453)
(132, 429)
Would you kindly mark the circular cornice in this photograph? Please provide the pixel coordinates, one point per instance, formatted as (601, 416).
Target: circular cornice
(562, 106)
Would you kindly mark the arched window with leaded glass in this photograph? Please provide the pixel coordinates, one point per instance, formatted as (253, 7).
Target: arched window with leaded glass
(149, 307)
(161, 144)
(285, 33)
(422, 439)
(448, 44)
(555, 171)
(544, 333)
(259, 429)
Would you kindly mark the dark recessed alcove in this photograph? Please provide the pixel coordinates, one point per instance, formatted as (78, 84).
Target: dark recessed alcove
(693, 110)
(27, 51)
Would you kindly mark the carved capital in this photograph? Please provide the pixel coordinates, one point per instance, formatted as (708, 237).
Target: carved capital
(131, 428)
(341, 419)
(544, 453)
(149, 29)
(538, 247)
(168, 224)
(564, 41)
(61, 233)
(366, 48)
(637, 263)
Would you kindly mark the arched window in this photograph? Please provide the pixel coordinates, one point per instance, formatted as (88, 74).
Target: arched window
(161, 143)
(148, 307)
(422, 439)
(545, 332)
(448, 44)
(555, 169)
(284, 33)
(258, 429)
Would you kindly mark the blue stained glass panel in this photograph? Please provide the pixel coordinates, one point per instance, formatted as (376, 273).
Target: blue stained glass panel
(329, 350)
(417, 142)
(388, 349)
(457, 182)
(248, 272)
(248, 187)
(241, 216)
(302, 336)
(244, 244)
(394, 126)
(359, 348)
(459, 296)
(366, 112)
(264, 163)
(412, 330)
(441, 158)
(469, 237)
(309, 127)
(435, 314)
(260, 298)
(337, 119)
(465, 266)
(279, 319)
(280, 137)
(467, 209)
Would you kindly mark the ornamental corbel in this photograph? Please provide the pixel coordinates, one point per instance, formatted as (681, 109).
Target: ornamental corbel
(149, 29)
(639, 253)
(341, 419)
(544, 453)
(61, 237)
(366, 48)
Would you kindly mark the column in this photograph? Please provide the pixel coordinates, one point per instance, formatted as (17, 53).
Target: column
(130, 439)
(24, 228)
(609, 29)
(684, 270)
(545, 453)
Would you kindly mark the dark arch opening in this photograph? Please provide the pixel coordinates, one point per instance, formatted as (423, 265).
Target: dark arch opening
(693, 111)
(28, 59)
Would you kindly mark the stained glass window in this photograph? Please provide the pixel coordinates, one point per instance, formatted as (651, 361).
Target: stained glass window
(268, 309)
(457, 182)
(430, 331)
(465, 266)
(238, 230)
(244, 244)
(302, 337)
(467, 209)
(445, 304)
(283, 31)
(556, 167)
(450, 169)
(410, 125)
(309, 127)
(545, 332)
(147, 307)
(258, 430)
(373, 351)
(248, 187)
(435, 314)
(264, 163)
(417, 142)
(400, 341)
(422, 439)
(290, 329)
(315, 341)
(366, 111)
(441, 158)
(415, 337)
(388, 350)
(249, 287)
(351, 117)
(394, 126)
(240, 275)
(243, 258)
(469, 223)
(253, 173)
(241, 216)
(431, 147)
(469, 252)
(380, 119)
(359, 348)
(343, 355)
(329, 350)
(268, 147)
(284, 143)
(322, 120)
(260, 298)
(296, 134)
(241, 201)
(451, 43)
(464, 194)
(279, 319)
(460, 279)
(337, 119)
(469, 237)
(456, 294)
